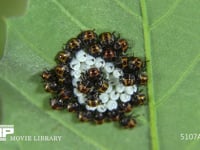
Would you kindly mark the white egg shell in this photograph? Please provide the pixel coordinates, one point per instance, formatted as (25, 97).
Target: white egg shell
(104, 97)
(101, 108)
(90, 108)
(75, 64)
(81, 99)
(120, 88)
(74, 82)
(114, 95)
(90, 60)
(76, 73)
(77, 93)
(130, 90)
(125, 97)
(109, 67)
(99, 62)
(112, 105)
(81, 56)
(117, 73)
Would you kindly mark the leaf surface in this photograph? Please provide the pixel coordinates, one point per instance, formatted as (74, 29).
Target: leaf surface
(165, 32)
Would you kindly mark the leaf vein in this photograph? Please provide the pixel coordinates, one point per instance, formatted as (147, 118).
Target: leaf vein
(31, 45)
(68, 14)
(165, 15)
(172, 89)
(125, 8)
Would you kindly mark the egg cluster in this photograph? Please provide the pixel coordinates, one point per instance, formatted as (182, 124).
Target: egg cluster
(96, 79)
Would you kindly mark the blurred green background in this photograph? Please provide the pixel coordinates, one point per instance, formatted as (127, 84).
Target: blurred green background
(166, 32)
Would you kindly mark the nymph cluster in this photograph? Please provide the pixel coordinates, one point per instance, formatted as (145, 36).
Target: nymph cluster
(96, 79)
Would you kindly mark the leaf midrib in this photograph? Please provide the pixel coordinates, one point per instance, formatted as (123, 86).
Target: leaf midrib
(151, 97)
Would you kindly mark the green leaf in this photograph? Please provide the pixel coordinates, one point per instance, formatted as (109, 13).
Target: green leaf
(9, 8)
(165, 32)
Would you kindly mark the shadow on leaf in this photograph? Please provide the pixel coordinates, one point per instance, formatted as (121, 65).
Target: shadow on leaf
(2, 35)
(10, 8)
(1, 111)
